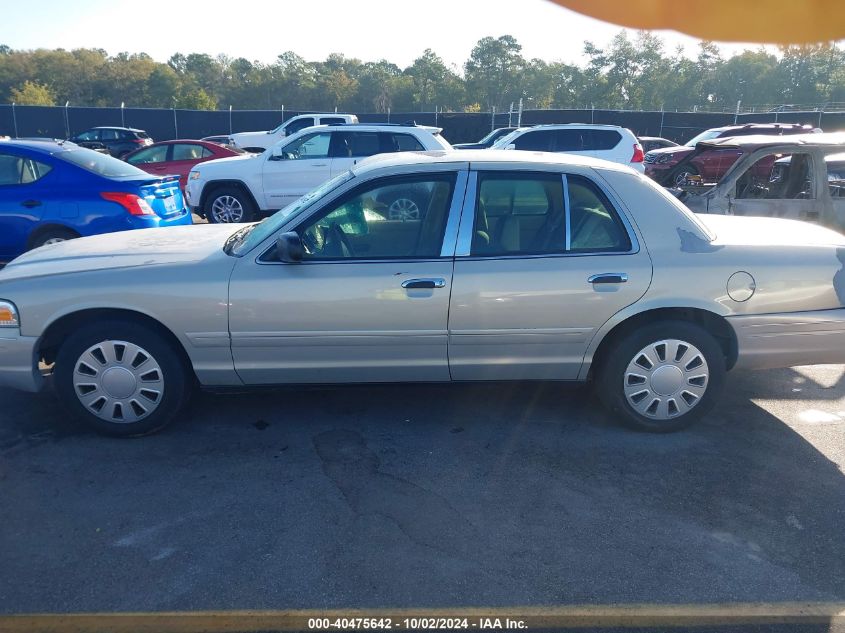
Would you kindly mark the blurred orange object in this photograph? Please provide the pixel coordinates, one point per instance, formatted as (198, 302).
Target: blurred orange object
(770, 22)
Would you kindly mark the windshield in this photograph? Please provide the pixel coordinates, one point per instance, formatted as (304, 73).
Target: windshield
(704, 136)
(100, 164)
(238, 244)
(506, 140)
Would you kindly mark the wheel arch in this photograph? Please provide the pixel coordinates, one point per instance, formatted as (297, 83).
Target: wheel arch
(713, 323)
(214, 185)
(57, 330)
(42, 229)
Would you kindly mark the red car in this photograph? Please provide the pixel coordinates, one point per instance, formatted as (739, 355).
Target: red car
(177, 157)
(673, 165)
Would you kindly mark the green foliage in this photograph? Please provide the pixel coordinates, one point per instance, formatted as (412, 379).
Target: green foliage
(628, 72)
(33, 94)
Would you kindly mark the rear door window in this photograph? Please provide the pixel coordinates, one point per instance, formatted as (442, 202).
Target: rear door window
(188, 151)
(299, 124)
(109, 135)
(17, 170)
(332, 120)
(603, 139)
(571, 140)
(150, 155)
(356, 144)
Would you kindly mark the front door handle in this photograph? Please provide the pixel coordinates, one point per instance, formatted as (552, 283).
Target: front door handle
(320, 165)
(411, 284)
(29, 204)
(608, 278)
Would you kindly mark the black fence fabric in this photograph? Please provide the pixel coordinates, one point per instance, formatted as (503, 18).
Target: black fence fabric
(458, 127)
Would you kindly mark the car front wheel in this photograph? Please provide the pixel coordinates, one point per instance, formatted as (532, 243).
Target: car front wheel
(662, 377)
(122, 378)
(227, 205)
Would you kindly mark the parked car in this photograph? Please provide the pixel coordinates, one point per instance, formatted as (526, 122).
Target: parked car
(51, 192)
(117, 140)
(655, 142)
(177, 157)
(222, 139)
(797, 177)
(521, 266)
(237, 189)
(608, 142)
(259, 141)
(488, 140)
(674, 165)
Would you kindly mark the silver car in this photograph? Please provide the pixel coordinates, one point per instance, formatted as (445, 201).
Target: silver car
(514, 266)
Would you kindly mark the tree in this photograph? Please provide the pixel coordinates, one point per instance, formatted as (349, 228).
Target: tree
(197, 99)
(32, 93)
(494, 71)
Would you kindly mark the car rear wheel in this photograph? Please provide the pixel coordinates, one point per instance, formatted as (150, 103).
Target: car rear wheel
(662, 377)
(52, 236)
(121, 378)
(229, 204)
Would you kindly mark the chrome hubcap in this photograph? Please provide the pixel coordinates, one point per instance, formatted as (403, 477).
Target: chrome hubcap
(118, 381)
(404, 209)
(666, 379)
(227, 209)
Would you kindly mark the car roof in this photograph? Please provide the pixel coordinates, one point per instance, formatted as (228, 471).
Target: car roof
(378, 127)
(747, 126)
(45, 146)
(484, 156)
(754, 141)
(116, 127)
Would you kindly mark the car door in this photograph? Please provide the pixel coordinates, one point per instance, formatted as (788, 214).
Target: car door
(795, 193)
(153, 160)
(183, 157)
(301, 165)
(369, 302)
(543, 260)
(26, 195)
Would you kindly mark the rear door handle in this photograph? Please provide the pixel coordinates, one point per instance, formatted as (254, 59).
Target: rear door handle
(29, 204)
(320, 165)
(411, 284)
(608, 278)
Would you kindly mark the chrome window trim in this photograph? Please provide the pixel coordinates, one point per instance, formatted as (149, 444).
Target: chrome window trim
(450, 235)
(566, 212)
(462, 248)
(468, 223)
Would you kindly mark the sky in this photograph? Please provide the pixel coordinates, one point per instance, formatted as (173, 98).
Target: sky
(397, 30)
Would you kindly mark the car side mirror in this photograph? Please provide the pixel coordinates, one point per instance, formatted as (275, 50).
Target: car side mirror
(289, 247)
(276, 153)
(510, 146)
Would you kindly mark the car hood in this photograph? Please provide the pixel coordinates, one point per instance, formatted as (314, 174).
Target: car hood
(221, 163)
(675, 149)
(126, 249)
(757, 231)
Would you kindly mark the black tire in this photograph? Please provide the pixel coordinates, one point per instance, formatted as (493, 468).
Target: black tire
(175, 377)
(58, 233)
(679, 175)
(221, 194)
(611, 376)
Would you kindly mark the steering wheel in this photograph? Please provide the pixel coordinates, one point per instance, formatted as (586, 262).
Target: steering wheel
(345, 245)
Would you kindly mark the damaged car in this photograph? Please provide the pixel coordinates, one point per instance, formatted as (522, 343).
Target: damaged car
(798, 178)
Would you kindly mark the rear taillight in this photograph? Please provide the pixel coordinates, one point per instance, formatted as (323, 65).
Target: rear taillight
(639, 155)
(139, 141)
(135, 205)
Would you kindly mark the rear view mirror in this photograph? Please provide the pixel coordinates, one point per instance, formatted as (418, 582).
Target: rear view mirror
(289, 247)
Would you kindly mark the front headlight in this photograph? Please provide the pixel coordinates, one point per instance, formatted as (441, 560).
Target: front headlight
(194, 175)
(9, 315)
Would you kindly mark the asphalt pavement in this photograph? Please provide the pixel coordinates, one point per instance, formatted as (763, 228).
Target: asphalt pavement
(427, 496)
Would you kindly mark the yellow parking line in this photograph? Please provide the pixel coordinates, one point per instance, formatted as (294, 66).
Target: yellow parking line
(532, 618)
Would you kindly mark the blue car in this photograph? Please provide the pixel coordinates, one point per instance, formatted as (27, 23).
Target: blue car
(54, 191)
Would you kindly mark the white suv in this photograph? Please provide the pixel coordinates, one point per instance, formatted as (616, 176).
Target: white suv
(259, 141)
(608, 142)
(239, 188)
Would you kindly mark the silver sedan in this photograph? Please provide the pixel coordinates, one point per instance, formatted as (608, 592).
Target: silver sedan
(448, 266)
